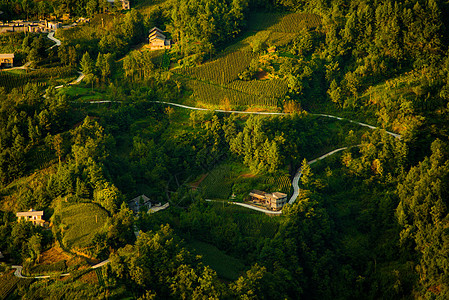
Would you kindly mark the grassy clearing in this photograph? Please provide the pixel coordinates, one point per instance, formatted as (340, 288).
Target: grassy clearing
(218, 184)
(79, 223)
(227, 267)
(83, 93)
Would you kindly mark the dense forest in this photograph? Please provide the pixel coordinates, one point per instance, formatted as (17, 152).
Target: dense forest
(370, 221)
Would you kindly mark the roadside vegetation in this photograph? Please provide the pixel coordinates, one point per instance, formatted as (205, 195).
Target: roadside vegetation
(369, 222)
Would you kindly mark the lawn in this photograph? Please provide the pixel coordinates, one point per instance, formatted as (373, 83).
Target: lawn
(80, 222)
(227, 267)
(83, 93)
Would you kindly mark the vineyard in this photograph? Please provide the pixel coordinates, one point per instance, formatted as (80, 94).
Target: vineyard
(274, 88)
(217, 95)
(80, 223)
(280, 183)
(7, 284)
(10, 81)
(289, 23)
(222, 70)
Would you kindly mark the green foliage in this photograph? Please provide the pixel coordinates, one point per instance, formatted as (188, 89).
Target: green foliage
(56, 267)
(226, 266)
(79, 223)
(159, 257)
(217, 184)
(421, 213)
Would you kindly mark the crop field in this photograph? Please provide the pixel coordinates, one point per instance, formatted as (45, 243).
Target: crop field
(7, 284)
(80, 223)
(218, 185)
(280, 183)
(216, 95)
(289, 23)
(222, 70)
(273, 88)
(226, 266)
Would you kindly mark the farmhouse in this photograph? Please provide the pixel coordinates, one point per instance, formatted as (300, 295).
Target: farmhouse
(6, 60)
(274, 201)
(138, 202)
(157, 40)
(32, 215)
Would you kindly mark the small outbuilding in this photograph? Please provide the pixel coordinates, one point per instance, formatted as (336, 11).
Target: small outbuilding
(6, 60)
(138, 202)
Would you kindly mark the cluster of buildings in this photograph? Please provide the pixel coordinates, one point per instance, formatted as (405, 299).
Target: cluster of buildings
(124, 3)
(273, 201)
(29, 26)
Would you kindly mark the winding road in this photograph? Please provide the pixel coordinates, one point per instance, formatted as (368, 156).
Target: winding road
(276, 114)
(295, 181)
(51, 36)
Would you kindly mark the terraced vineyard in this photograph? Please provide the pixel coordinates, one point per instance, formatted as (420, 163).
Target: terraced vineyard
(217, 82)
(269, 88)
(222, 70)
(216, 95)
(281, 183)
(7, 284)
(290, 23)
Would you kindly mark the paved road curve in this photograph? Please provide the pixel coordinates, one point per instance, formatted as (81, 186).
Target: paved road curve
(295, 182)
(51, 36)
(18, 271)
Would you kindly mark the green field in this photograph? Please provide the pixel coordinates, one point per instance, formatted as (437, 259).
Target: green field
(218, 95)
(227, 267)
(217, 81)
(80, 222)
(278, 22)
(223, 70)
(218, 184)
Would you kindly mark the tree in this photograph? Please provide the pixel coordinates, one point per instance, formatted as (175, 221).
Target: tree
(34, 245)
(306, 173)
(334, 93)
(87, 65)
(57, 146)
